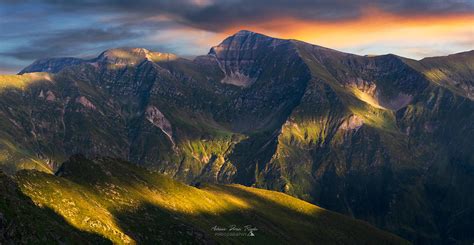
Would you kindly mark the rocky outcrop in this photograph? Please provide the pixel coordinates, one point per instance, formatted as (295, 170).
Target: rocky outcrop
(353, 122)
(154, 116)
(85, 102)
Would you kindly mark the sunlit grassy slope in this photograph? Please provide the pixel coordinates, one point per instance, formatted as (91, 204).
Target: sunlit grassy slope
(22, 81)
(14, 156)
(22, 222)
(127, 204)
(453, 71)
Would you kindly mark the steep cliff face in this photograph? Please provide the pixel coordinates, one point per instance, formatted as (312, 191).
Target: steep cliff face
(379, 138)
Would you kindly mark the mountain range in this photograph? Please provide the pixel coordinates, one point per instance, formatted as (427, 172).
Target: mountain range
(384, 139)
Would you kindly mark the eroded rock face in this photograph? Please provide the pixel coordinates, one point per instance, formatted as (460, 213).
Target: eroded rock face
(354, 122)
(50, 96)
(369, 93)
(396, 103)
(154, 116)
(85, 102)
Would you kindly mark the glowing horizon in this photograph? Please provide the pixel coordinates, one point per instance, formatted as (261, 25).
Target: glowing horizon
(377, 29)
(190, 27)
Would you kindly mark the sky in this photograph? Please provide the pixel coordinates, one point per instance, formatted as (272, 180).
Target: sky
(33, 29)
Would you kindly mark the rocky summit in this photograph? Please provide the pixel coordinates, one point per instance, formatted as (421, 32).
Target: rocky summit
(384, 139)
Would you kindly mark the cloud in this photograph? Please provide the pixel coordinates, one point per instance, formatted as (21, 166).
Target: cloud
(381, 33)
(69, 42)
(8, 67)
(214, 15)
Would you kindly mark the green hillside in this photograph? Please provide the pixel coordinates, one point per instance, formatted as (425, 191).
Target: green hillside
(103, 200)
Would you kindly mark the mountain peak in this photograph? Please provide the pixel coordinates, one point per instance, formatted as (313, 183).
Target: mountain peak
(52, 65)
(245, 33)
(132, 56)
(238, 54)
(244, 39)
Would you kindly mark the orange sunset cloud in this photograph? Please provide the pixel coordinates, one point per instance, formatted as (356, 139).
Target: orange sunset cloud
(372, 27)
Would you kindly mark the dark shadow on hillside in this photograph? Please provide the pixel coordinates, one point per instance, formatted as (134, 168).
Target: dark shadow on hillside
(321, 224)
(21, 221)
(149, 224)
(153, 222)
(258, 148)
(276, 224)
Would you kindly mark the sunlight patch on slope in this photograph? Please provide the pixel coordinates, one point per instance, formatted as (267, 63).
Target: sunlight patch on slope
(92, 208)
(113, 198)
(436, 76)
(367, 98)
(13, 158)
(23, 81)
(304, 132)
(375, 117)
(79, 206)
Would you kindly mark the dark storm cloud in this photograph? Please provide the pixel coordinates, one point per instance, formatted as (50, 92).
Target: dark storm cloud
(68, 42)
(8, 68)
(216, 15)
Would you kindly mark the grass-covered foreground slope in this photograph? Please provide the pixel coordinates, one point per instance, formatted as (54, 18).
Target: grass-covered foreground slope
(23, 222)
(103, 200)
